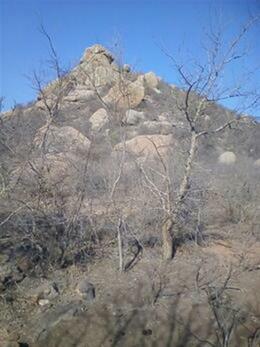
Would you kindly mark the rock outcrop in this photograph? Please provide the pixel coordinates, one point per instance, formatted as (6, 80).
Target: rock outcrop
(147, 146)
(133, 117)
(99, 119)
(151, 80)
(125, 95)
(61, 139)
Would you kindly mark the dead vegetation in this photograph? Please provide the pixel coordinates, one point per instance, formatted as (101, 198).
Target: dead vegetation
(77, 197)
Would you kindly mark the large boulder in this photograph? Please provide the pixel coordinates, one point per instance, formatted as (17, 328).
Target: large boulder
(99, 119)
(80, 94)
(147, 146)
(97, 68)
(133, 117)
(126, 95)
(97, 55)
(61, 139)
(155, 127)
(151, 80)
(51, 169)
(227, 158)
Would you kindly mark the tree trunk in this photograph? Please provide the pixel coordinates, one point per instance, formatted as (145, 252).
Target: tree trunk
(167, 239)
(168, 236)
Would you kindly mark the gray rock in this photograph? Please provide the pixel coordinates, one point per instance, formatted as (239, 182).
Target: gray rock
(133, 117)
(99, 119)
(151, 80)
(46, 291)
(163, 127)
(80, 95)
(227, 158)
(61, 139)
(131, 95)
(257, 163)
(126, 68)
(86, 290)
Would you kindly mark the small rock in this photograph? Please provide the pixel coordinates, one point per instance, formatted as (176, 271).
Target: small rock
(257, 163)
(86, 290)
(43, 302)
(227, 158)
(126, 68)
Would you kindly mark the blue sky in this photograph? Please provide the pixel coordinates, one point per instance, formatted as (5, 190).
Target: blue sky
(139, 25)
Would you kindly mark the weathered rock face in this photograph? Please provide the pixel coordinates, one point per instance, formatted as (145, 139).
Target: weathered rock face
(151, 80)
(61, 139)
(133, 117)
(80, 94)
(126, 95)
(97, 68)
(97, 54)
(147, 146)
(59, 162)
(163, 127)
(53, 169)
(227, 158)
(99, 119)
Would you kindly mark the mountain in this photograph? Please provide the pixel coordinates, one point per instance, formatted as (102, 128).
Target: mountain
(96, 166)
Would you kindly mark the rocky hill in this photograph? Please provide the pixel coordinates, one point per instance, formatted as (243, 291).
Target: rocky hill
(89, 173)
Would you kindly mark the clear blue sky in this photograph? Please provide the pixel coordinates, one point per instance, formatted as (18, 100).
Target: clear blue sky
(140, 24)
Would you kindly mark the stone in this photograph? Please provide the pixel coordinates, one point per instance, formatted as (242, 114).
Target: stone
(86, 290)
(61, 139)
(147, 146)
(125, 96)
(99, 119)
(140, 79)
(126, 68)
(133, 117)
(227, 158)
(257, 163)
(155, 127)
(43, 302)
(80, 95)
(151, 80)
(103, 75)
(97, 68)
(45, 291)
(97, 54)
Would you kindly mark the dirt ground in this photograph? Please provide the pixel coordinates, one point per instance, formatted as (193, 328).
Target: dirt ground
(152, 304)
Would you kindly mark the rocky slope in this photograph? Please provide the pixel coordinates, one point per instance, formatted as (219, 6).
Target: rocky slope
(98, 147)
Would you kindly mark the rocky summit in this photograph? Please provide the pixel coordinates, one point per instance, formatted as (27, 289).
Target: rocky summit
(128, 208)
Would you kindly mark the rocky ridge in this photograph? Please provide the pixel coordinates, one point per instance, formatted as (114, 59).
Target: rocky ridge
(75, 173)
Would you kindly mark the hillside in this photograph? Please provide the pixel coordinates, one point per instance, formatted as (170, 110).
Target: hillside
(90, 175)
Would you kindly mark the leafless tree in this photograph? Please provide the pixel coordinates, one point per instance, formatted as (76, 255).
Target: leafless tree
(202, 88)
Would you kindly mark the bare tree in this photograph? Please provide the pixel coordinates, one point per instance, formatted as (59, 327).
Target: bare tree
(203, 88)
